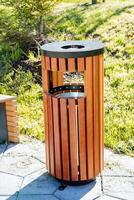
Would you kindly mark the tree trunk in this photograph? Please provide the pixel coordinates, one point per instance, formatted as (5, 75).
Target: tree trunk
(41, 28)
(94, 1)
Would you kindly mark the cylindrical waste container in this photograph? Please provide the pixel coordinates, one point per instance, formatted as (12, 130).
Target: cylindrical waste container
(74, 113)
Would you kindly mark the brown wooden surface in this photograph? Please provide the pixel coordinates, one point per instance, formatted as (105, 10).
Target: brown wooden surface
(89, 115)
(54, 66)
(73, 139)
(62, 64)
(82, 138)
(57, 137)
(48, 63)
(51, 134)
(101, 110)
(47, 138)
(96, 114)
(71, 65)
(81, 64)
(43, 63)
(60, 78)
(11, 113)
(64, 139)
(55, 78)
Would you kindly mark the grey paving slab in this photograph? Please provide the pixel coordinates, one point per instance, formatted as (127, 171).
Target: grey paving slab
(107, 197)
(118, 164)
(39, 183)
(33, 148)
(12, 197)
(119, 187)
(83, 192)
(2, 149)
(9, 184)
(36, 197)
(20, 165)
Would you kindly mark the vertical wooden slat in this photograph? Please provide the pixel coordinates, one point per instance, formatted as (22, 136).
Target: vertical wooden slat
(57, 137)
(60, 78)
(47, 139)
(80, 64)
(82, 138)
(51, 134)
(43, 62)
(46, 86)
(71, 65)
(73, 139)
(96, 114)
(48, 63)
(64, 139)
(89, 115)
(62, 64)
(101, 109)
(54, 64)
(45, 75)
(55, 78)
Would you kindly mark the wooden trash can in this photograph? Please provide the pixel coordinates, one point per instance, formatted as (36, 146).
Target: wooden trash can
(74, 114)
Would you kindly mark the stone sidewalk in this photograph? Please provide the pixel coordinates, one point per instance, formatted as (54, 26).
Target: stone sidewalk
(23, 176)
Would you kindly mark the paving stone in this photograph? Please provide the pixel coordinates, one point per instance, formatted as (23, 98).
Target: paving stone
(20, 165)
(36, 197)
(106, 197)
(118, 164)
(39, 183)
(2, 149)
(9, 184)
(35, 148)
(119, 187)
(83, 192)
(13, 197)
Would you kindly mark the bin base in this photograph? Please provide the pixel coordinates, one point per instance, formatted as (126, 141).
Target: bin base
(76, 183)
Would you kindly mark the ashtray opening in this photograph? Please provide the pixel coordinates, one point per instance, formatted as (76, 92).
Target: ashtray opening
(73, 47)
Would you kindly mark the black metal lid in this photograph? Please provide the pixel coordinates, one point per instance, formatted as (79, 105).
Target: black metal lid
(73, 49)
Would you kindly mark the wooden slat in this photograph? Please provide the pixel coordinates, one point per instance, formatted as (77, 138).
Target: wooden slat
(48, 63)
(12, 119)
(71, 65)
(43, 62)
(12, 123)
(54, 66)
(82, 138)
(47, 139)
(11, 103)
(12, 134)
(11, 108)
(12, 128)
(57, 138)
(13, 114)
(62, 64)
(45, 79)
(89, 115)
(55, 78)
(64, 139)
(80, 64)
(60, 78)
(96, 114)
(51, 134)
(101, 110)
(13, 139)
(73, 139)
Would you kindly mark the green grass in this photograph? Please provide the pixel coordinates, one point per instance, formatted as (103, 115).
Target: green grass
(110, 22)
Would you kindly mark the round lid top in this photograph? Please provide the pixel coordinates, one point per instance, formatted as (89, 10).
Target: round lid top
(73, 49)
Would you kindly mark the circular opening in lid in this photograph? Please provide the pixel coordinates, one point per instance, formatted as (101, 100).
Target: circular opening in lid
(73, 47)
